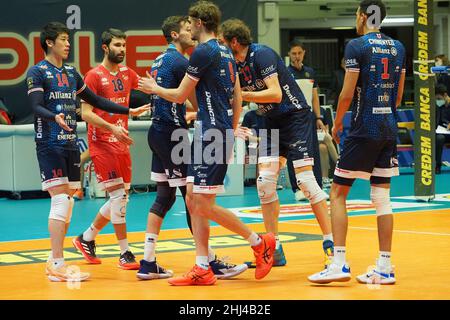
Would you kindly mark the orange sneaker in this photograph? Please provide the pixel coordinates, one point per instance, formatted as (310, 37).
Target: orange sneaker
(87, 248)
(264, 255)
(196, 277)
(127, 261)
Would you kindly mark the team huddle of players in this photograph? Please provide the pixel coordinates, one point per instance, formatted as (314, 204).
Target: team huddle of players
(225, 69)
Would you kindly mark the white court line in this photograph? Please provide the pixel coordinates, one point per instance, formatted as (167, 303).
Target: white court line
(375, 229)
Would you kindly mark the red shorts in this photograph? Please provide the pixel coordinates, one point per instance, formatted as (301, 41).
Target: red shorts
(112, 169)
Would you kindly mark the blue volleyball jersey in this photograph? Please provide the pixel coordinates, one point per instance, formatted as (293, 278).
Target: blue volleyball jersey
(213, 66)
(380, 62)
(60, 87)
(261, 63)
(168, 70)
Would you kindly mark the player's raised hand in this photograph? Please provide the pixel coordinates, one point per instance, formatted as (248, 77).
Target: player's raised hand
(242, 132)
(138, 111)
(147, 84)
(121, 134)
(336, 132)
(59, 119)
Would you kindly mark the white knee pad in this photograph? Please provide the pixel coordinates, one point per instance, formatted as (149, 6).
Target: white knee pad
(69, 214)
(308, 184)
(381, 200)
(105, 210)
(118, 199)
(267, 186)
(60, 206)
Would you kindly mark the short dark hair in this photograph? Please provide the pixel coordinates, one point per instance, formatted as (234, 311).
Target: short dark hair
(208, 12)
(235, 28)
(296, 43)
(444, 59)
(172, 23)
(51, 31)
(440, 89)
(111, 33)
(365, 4)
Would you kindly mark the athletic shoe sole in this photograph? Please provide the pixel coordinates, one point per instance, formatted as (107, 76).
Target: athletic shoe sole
(338, 278)
(153, 276)
(382, 281)
(238, 270)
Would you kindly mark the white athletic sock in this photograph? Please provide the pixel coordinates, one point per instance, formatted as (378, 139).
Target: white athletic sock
(90, 233)
(254, 239)
(202, 262)
(211, 254)
(58, 262)
(339, 255)
(328, 237)
(384, 259)
(123, 244)
(277, 242)
(149, 247)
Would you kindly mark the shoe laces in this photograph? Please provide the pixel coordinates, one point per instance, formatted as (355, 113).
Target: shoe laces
(129, 256)
(224, 260)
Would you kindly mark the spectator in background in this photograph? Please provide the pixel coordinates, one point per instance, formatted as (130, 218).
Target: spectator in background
(337, 83)
(298, 70)
(327, 152)
(443, 78)
(442, 119)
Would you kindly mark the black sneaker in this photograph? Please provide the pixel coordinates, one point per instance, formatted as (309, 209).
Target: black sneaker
(224, 270)
(87, 248)
(127, 261)
(152, 270)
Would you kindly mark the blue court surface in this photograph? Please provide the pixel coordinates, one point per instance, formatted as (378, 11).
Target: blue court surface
(27, 219)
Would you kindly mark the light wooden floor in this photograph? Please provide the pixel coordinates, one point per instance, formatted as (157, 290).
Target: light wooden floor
(421, 255)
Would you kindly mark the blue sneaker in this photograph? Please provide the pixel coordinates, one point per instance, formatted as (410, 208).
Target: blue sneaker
(334, 273)
(328, 248)
(224, 270)
(378, 275)
(279, 259)
(152, 270)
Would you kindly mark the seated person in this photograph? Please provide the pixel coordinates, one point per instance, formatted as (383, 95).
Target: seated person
(327, 151)
(442, 119)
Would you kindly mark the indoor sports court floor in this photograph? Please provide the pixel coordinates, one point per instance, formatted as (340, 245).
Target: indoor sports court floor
(420, 251)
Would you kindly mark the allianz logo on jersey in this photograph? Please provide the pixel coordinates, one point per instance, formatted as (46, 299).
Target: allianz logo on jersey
(55, 95)
(192, 69)
(391, 51)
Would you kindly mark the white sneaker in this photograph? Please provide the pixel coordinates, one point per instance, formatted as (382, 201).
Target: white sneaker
(299, 196)
(378, 275)
(333, 273)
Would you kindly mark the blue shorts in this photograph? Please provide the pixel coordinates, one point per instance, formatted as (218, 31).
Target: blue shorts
(295, 139)
(164, 167)
(209, 165)
(363, 158)
(58, 167)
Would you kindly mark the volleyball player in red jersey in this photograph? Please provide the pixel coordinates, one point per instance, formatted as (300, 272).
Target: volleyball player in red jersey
(109, 146)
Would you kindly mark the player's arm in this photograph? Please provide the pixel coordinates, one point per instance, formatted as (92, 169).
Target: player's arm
(237, 103)
(88, 115)
(401, 87)
(272, 94)
(178, 95)
(36, 98)
(345, 99)
(99, 102)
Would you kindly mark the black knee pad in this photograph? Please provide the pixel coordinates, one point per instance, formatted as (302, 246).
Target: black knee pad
(379, 180)
(343, 181)
(165, 198)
